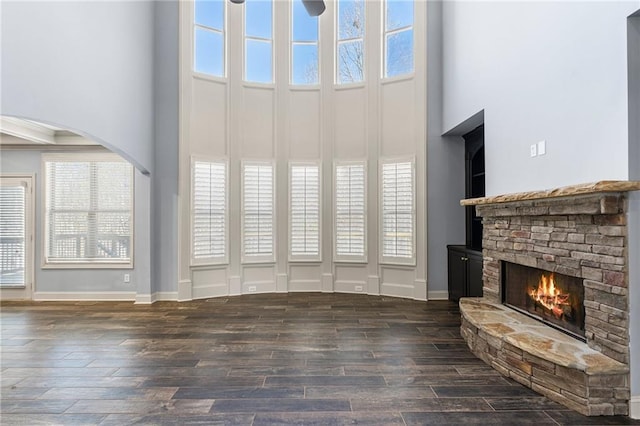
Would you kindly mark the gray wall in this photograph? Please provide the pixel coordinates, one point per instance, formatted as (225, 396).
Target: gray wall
(445, 166)
(553, 71)
(634, 203)
(164, 238)
(85, 280)
(85, 66)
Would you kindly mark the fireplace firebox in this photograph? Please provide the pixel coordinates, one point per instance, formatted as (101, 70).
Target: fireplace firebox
(552, 298)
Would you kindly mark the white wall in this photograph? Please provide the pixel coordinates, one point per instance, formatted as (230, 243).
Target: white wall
(84, 66)
(86, 284)
(553, 71)
(236, 120)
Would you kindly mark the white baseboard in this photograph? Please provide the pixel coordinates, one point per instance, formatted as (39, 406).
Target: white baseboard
(143, 299)
(438, 295)
(168, 296)
(634, 407)
(107, 296)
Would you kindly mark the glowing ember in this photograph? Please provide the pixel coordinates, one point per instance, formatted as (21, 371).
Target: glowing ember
(549, 296)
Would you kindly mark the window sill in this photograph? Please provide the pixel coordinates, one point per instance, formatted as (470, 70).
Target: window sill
(86, 265)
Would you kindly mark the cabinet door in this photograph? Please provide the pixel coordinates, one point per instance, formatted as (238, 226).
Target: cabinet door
(457, 274)
(474, 276)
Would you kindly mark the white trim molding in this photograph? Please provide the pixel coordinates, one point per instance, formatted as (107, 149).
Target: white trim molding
(106, 296)
(634, 407)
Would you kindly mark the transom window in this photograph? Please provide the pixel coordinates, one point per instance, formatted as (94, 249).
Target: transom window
(88, 210)
(258, 41)
(209, 37)
(304, 45)
(398, 37)
(350, 30)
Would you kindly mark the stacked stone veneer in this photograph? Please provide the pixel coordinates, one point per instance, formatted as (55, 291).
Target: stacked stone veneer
(583, 236)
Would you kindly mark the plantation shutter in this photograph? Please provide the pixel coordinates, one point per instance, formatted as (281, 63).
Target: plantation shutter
(304, 212)
(258, 212)
(12, 235)
(89, 211)
(350, 211)
(209, 217)
(397, 210)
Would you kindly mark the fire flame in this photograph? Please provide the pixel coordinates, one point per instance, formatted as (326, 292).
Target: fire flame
(549, 295)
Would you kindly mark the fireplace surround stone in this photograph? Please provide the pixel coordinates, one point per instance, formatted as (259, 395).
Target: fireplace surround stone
(579, 231)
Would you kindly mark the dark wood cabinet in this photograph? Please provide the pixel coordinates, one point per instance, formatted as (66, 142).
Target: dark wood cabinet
(465, 261)
(464, 267)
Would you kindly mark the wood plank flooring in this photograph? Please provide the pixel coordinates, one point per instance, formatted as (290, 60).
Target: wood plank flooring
(276, 359)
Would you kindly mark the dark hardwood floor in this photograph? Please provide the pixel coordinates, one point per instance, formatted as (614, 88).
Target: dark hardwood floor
(320, 359)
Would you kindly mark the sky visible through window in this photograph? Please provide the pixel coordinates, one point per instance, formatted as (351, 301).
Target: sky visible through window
(398, 40)
(304, 49)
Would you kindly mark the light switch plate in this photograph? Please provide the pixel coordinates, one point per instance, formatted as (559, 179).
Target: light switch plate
(542, 147)
(534, 150)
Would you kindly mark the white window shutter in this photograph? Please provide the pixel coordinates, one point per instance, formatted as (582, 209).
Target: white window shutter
(12, 235)
(89, 211)
(258, 212)
(304, 223)
(209, 212)
(350, 212)
(398, 210)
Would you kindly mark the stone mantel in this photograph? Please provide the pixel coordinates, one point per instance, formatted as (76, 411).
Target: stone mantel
(566, 191)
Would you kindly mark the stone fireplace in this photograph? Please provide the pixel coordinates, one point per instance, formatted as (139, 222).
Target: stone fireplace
(573, 239)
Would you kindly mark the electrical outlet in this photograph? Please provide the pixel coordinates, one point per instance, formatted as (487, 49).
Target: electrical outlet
(127, 278)
(252, 288)
(534, 150)
(358, 288)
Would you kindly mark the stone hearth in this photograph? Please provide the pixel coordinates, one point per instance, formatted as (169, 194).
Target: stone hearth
(580, 231)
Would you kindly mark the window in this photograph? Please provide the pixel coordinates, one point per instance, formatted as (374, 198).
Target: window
(13, 232)
(398, 37)
(258, 41)
(304, 45)
(304, 212)
(350, 41)
(209, 37)
(350, 212)
(258, 205)
(398, 212)
(88, 210)
(209, 212)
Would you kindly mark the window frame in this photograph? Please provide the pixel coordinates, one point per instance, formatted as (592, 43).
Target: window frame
(385, 35)
(350, 258)
(303, 257)
(339, 41)
(84, 157)
(209, 261)
(396, 260)
(293, 43)
(271, 42)
(223, 31)
(253, 259)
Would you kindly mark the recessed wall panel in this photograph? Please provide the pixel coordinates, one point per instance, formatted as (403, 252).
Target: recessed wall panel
(305, 278)
(303, 119)
(209, 283)
(397, 282)
(208, 118)
(256, 123)
(349, 116)
(398, 118)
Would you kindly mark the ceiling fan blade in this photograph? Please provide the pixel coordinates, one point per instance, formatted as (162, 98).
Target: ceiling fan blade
(314, 7)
